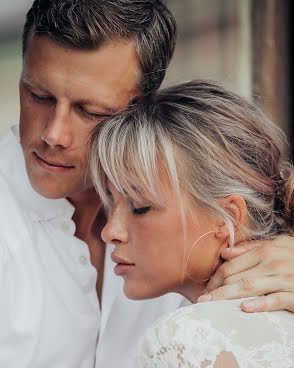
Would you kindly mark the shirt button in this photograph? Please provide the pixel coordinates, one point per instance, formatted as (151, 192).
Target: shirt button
(65, 226)
(83, 260)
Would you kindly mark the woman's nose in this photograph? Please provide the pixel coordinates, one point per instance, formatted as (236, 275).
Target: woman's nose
(115, 231)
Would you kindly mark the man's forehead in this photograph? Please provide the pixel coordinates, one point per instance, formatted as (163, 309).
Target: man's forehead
(109, 75)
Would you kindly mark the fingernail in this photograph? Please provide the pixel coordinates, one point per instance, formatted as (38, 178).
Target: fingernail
(249, 305)
(204, 298)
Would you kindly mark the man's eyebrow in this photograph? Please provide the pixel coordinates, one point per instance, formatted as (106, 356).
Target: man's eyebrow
(109, 110)
(31, 83)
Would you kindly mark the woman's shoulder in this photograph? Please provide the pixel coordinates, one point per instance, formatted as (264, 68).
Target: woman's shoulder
(200, 332)
(222, 312)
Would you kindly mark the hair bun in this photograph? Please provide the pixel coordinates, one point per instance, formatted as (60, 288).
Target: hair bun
(288, 196)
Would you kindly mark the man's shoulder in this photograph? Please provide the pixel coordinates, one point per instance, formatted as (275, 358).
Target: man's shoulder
(6, 193)
(8, 198)
(13, 177)
(10, 155)
(13, 219)
(10, 137)
(10, 151)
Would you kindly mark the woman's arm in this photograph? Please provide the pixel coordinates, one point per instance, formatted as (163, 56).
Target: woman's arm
(257, 268)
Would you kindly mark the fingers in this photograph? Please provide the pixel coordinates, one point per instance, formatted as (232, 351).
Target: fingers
(227, 253)
(241, 248)
(232, 267)
(281, 242)
(268, 303)
(244, 288)
(254, 272)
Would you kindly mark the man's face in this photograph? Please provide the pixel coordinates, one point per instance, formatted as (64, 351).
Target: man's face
(64, 94)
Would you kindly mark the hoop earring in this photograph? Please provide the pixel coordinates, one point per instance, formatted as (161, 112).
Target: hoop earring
(186, 266)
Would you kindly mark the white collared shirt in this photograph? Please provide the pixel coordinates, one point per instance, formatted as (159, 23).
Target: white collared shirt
(49, 310)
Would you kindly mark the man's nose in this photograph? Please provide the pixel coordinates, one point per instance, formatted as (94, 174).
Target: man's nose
(115, 231)
(58, 130)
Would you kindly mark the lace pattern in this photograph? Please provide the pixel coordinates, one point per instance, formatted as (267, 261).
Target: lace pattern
(195, 336)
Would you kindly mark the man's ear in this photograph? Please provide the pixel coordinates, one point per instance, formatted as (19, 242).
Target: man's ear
(236, 207)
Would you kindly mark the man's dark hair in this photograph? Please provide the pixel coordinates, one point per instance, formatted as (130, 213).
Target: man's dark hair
(88, 24)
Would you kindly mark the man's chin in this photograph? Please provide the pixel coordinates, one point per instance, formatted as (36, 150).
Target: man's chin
(48, 193)
(55, 190)
(47, 189)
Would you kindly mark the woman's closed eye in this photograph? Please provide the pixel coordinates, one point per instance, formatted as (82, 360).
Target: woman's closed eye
(141, 210)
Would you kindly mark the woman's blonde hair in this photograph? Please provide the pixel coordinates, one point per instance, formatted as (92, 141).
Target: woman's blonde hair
(209, 141)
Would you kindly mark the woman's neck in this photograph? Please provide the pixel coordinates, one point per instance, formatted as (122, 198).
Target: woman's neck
(191, 290)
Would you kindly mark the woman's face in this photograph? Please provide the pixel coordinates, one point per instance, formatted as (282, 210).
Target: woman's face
(151, 250)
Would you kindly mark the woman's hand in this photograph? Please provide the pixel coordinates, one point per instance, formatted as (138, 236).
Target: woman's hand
(256, 268)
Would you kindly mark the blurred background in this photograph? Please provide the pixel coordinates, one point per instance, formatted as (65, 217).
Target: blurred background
(246, 45)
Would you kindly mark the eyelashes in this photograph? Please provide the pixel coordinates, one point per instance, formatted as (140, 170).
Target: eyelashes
(141, 210)
(135, 210)
(40, 98)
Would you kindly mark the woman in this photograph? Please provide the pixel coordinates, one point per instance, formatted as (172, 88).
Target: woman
(185, 174)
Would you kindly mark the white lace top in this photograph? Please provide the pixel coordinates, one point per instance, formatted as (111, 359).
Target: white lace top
(218, 334)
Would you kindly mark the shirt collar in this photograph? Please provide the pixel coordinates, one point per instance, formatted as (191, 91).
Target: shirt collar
(41, 208)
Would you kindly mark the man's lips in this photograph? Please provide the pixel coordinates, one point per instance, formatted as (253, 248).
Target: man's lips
(51, 165)
(123, 266)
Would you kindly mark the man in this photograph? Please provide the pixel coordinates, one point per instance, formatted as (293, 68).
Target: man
(61, 305)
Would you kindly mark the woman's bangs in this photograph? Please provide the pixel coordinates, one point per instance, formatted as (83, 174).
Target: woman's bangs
(128, 154)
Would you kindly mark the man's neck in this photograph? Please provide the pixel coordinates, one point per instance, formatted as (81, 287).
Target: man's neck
(87, 205)
(89, 220)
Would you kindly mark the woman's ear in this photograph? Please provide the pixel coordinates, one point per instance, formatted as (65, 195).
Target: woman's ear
(236, 207)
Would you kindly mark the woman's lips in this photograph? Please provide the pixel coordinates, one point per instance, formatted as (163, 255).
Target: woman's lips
(122, 269)
(52, 166)
(123, 266)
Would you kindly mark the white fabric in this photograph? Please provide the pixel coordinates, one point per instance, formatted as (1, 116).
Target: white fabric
(194, 336)
(49, 311)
